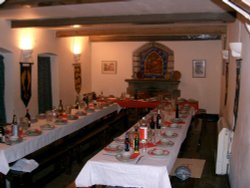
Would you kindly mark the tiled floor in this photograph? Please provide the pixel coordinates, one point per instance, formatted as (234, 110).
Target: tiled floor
(192, 148)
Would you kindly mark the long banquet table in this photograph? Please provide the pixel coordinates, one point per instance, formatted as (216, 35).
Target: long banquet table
(148, 172)
(11, 153)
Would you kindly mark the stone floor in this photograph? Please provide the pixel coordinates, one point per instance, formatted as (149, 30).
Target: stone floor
(200, 144)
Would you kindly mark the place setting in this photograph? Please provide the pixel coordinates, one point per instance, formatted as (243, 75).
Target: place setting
(113, 148)
(169, 134)
(158, 152)
(11, 140)
(127, 156)
(164, 142)
(47, 126)
(33, 132)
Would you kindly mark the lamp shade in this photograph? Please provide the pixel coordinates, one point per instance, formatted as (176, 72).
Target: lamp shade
(225, 54)
(235, 49)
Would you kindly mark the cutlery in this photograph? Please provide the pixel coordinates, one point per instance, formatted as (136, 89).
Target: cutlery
(137, 161)
(109, 154)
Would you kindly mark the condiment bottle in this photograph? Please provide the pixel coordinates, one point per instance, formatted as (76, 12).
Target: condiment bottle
(126, 142)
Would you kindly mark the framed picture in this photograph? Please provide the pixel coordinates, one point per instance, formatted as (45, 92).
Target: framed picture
(199, 68)
(109, 67)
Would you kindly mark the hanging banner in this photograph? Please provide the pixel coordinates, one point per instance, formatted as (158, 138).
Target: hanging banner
(78, 78)
(237, 92)
(25, 82)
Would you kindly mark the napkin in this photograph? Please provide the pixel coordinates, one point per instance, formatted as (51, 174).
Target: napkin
(148, 145)
(25, 165)
(134, 155)
(167, 123)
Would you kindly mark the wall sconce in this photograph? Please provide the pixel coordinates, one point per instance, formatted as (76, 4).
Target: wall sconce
(77, 58)
(26, 56)
(225, 54)
(248, 27)
(235, 49)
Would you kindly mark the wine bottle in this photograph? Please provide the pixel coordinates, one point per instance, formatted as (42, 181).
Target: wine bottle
(60, 108)
(94, 97)
(77, 102)
(177, 111)
(15, 128)
(152, 123)
(27, 115)
(158, 119)
(2, 134)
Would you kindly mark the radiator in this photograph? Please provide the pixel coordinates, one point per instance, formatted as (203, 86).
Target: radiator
(223, 147)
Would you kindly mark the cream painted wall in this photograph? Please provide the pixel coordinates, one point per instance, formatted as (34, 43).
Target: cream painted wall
(240, 166)
(206, 90)
(44, 41)
(66, 69)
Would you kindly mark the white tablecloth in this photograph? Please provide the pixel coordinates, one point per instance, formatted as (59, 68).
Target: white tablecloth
(150, 172)
(30, 144)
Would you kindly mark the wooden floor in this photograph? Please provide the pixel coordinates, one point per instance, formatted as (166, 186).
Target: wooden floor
(200, 144)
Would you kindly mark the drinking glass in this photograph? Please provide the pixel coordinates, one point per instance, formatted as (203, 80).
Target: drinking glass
(49, 117)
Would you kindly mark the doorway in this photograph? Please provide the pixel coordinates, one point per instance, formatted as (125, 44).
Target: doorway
(44, 84)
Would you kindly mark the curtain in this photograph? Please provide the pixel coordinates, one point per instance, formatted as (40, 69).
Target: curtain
(2, 87)
(44, 84)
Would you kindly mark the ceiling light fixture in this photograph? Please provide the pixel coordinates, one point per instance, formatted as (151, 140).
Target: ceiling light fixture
(2, 1)
(76, 26)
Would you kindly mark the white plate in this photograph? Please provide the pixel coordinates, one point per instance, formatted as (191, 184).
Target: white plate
(164, 134)
(113, 148)
(119, 140)
(166, 142)
(125, 158)
(157, 152)
(11, 142)
(33, 132)
(47, 127)
(60, 122)
(175, 126)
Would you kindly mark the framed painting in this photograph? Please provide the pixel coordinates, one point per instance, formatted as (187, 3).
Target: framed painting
(109, 67)
(199, 68)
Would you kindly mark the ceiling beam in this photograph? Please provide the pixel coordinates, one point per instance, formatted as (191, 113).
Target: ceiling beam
(132, 19)
(149, 30)
(154, 38)
(10, 4)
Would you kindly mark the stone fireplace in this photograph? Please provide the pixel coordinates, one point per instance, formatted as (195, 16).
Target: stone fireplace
(153, 72)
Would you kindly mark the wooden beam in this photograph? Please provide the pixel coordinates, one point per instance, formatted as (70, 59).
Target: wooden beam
(9, 4)
(132, 19)
(154, 38)
(149, 30)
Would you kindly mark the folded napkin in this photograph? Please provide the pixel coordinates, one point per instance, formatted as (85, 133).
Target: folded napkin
(148, 145)
(167, 123)
(134, 155)
(110, 149)
(25, 165)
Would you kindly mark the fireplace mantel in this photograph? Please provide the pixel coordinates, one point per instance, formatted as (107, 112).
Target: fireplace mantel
(153, 87)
